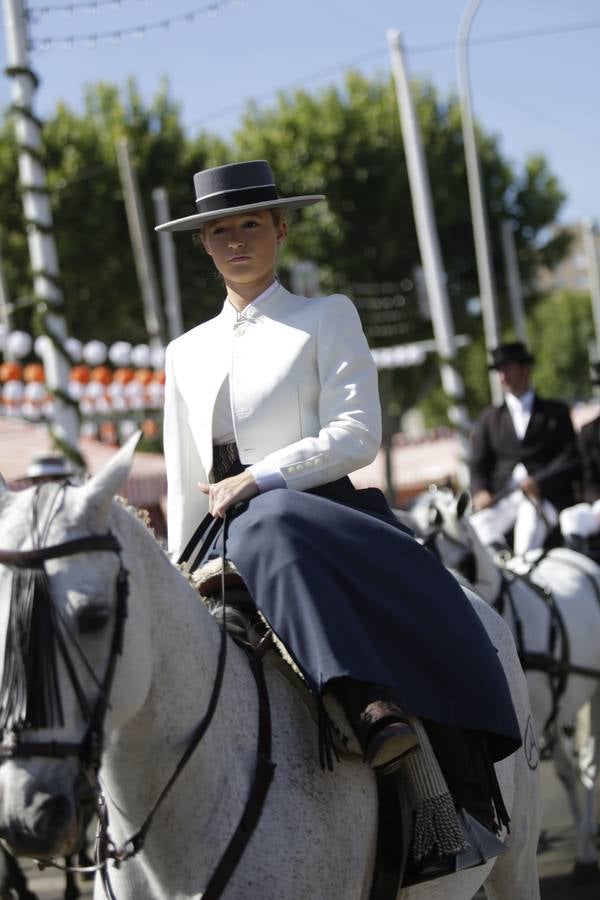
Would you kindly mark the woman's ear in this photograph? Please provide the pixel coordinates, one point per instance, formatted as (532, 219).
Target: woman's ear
(282, 231)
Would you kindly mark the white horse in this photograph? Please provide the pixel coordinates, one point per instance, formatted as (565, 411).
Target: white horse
(316, 836)
(570, 584)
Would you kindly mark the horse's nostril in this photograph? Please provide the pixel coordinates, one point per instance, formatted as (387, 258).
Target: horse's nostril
(52, 815)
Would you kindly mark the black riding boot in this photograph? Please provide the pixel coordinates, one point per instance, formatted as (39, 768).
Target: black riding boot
(378, 721)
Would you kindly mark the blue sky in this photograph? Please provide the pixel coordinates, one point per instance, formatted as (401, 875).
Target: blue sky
(539, 93)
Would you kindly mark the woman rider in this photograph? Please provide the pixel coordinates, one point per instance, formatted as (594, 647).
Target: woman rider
(269, 406)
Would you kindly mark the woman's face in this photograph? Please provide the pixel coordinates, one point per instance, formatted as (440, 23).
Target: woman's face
(244, 247)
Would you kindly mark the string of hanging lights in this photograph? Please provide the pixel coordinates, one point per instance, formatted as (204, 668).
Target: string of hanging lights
(113, 35)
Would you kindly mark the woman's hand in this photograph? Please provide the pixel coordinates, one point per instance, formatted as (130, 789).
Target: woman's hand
(225, 494)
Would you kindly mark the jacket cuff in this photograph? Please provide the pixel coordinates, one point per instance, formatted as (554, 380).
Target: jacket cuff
(267, 476)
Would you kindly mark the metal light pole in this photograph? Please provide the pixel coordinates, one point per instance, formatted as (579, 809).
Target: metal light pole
(429, 246)
(591, 251)
(168, 264)
(141, 247)
(513, 280)
(485, 273)
(38, 215)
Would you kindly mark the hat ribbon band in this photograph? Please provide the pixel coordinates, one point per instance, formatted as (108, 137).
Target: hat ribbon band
(234, 199)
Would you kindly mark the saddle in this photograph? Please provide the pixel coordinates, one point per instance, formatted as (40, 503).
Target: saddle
(422, 835)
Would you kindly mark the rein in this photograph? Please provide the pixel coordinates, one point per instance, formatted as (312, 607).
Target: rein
(90, 748)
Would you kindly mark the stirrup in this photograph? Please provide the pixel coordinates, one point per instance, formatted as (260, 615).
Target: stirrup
(482, 846)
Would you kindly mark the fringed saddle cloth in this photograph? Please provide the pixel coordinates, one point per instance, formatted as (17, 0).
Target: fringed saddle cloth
(436, 824)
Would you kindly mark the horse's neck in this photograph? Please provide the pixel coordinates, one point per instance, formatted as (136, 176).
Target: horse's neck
(489, 577)
(143, 753)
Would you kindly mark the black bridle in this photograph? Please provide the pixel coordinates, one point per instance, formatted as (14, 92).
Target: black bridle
(89, 749)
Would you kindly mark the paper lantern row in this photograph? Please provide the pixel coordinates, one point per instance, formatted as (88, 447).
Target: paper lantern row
(30, 400)
(80, 375)
(19, 344)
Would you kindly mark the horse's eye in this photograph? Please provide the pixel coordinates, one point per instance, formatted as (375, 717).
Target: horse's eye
(92, 617)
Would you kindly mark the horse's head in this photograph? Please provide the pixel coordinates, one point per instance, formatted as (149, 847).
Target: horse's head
(63, 602)
(443, 518)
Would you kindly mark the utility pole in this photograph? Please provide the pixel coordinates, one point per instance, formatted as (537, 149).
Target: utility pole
(429, 245)
(590, 242)
(485, 272)
(168, 264)
(141, 247)
(38, 217)
(5, 309)
(513, 280)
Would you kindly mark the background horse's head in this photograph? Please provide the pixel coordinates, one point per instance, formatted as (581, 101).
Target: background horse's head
(61, 618)
(443, 521)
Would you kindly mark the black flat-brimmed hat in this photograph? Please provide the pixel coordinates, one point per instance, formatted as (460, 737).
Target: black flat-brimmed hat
(236, 188)
(514, 351)
(53, 465)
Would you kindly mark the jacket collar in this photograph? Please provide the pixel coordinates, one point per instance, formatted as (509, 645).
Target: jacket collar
(255, 310)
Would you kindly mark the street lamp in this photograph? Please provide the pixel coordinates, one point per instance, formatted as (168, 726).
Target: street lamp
(485, 273)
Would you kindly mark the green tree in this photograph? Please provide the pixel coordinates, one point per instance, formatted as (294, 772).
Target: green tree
(562, 330)
(102, 296)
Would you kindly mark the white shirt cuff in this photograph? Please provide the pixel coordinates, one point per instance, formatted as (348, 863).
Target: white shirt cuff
(267, 476)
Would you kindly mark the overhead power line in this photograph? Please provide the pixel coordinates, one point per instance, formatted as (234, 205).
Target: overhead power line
(212, 9)
(88, 6)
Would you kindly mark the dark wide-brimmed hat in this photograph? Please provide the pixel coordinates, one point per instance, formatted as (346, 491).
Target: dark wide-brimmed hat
(515, 351)
(236, 188)
(53, 465)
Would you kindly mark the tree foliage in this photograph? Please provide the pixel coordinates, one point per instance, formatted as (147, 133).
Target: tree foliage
(345, 142)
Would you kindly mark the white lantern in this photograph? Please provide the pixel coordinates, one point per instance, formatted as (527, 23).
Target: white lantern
(93, 390)
(34, 391)
(103, 404)
(119, 403)
(31, 411)
(73, 346)
(134, 388)
(126, 428)
(41, 345)
(120, 353)
(75, 390)
(86, 406)
(12, 391)
(88, 429)
(115, 389)
(18, 344)
(140, 356)
(157, 357)
(94, 353)
(48, 409)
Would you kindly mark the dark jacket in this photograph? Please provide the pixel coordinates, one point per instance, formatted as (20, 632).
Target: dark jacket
(548, 451)
(589, 449)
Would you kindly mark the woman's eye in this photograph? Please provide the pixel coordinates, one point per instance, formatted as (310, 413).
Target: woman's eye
(250, 224)
(92, 618)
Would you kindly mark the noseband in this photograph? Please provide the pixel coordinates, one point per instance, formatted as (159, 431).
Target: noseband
(89, 749)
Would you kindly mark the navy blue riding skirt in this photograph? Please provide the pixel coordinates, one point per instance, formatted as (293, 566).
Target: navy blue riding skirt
(351, 593)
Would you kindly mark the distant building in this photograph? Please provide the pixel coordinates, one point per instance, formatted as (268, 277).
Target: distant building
(572, 274)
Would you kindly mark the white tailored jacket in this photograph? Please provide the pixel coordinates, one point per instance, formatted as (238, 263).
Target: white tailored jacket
(304, 396)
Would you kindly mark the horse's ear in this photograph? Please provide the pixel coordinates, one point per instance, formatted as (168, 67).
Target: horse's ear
(463, 503)
(435, 517)
(101, 488)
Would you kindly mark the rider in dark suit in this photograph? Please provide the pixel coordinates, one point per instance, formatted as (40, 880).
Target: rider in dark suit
(524, 459)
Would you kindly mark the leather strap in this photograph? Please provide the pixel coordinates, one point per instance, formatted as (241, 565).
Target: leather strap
(30, 559)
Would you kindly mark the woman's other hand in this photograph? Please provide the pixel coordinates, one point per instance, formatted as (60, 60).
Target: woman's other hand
(225, 494)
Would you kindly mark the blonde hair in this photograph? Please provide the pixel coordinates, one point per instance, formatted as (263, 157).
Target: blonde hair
(278, 215)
